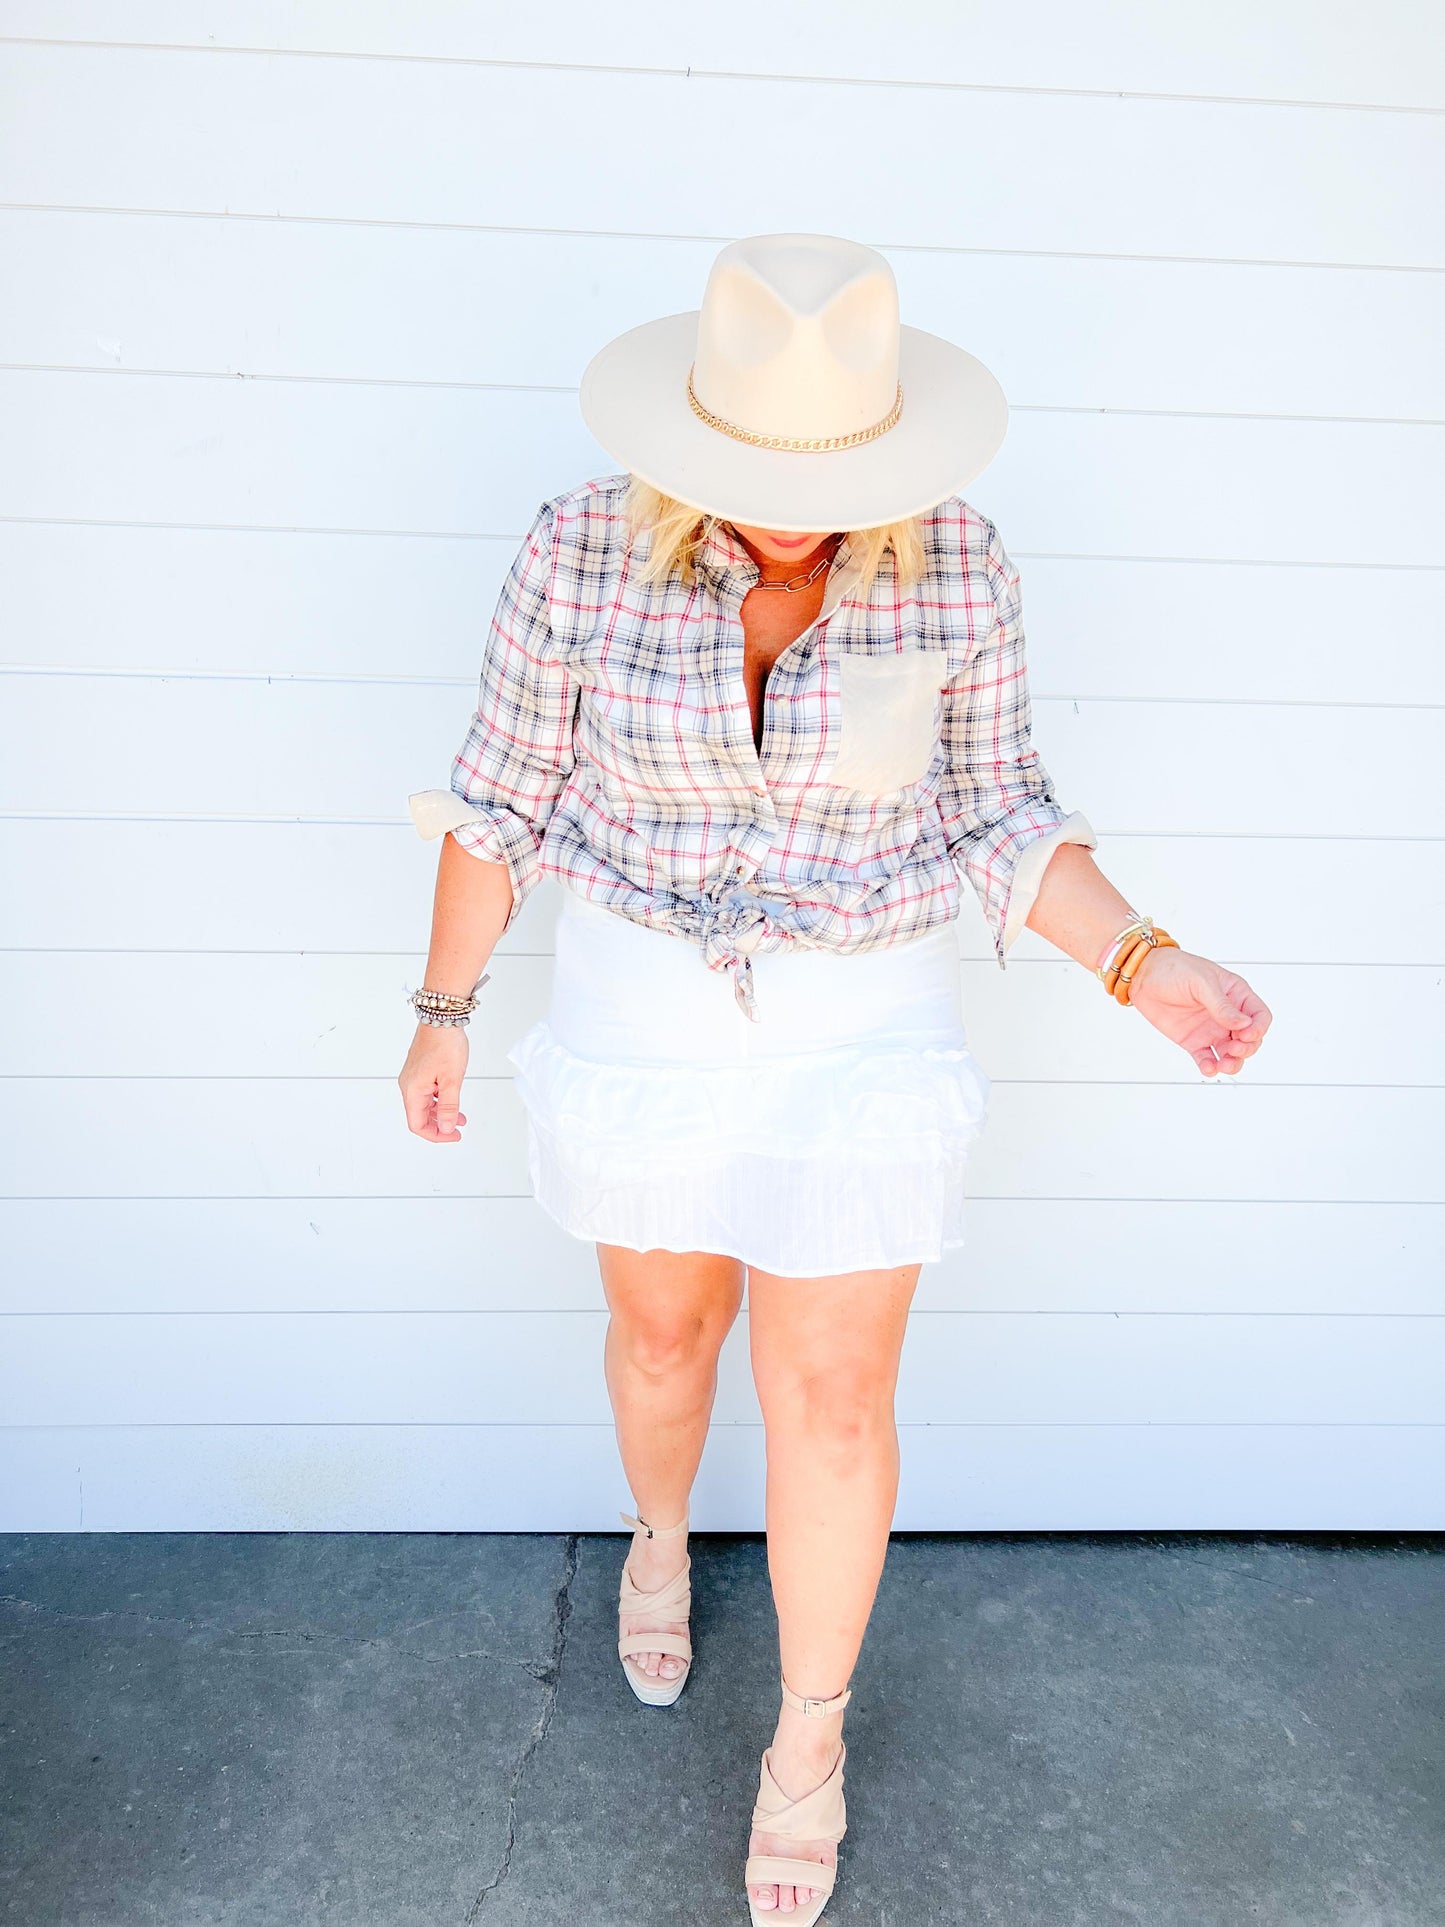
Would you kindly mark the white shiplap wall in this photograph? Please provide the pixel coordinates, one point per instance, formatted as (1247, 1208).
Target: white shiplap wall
(296, 297)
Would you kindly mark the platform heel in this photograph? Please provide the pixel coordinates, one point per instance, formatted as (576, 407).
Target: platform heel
(671, 1600)
(817, 1815)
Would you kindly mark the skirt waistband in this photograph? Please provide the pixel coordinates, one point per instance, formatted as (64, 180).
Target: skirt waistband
(625, 991)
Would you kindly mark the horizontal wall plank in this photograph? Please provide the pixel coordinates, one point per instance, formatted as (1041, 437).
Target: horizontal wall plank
(337, 1017)
(511, 1368)
(260, 1137)
(968, 1478)
(1394, 59)
(355, 751)
(429, 141)
(247, 886)
(273, 602)
(41, 1488)
(373, 303)
(280, 604)
(279, 455)
(1040, 1255)
(339, 888)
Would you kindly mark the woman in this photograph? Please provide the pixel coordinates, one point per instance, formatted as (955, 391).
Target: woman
(759, 702)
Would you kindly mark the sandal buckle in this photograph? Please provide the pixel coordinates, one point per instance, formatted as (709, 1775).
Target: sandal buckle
(816, 1706)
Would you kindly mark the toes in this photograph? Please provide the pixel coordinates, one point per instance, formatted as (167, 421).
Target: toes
(784, 1900)
(664, 1666)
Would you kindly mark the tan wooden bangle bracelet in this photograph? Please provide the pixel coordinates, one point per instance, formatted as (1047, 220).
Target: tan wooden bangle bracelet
(1157, 940)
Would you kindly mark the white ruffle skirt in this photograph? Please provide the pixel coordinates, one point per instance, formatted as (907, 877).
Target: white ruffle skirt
(829, 1135)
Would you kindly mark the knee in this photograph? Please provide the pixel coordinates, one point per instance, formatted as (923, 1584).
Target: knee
(842, 1409)
(666, 1347)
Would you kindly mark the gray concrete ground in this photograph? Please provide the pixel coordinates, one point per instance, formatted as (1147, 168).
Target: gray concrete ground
(389, 1730)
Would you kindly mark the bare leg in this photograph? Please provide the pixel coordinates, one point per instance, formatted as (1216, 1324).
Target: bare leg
(825, 1355)
(671, 1312)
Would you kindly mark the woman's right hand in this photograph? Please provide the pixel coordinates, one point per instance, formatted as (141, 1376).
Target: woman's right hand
(431, 1082)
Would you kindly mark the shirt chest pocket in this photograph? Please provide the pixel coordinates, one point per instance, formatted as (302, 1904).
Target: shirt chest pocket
(888, 720)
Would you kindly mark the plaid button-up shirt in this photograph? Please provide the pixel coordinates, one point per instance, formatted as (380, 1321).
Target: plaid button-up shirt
(612, 744)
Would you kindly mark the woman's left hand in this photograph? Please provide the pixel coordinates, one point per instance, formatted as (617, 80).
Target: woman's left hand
(1207, 1010)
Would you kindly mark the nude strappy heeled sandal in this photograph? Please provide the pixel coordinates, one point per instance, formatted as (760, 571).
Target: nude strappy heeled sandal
(818, 1815)
(672, 1600)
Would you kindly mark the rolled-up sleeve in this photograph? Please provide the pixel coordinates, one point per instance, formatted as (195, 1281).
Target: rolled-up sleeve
(1001, 819)
(518, 751)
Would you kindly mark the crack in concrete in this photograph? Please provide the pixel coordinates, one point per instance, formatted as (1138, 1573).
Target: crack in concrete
(1234, 1572)
(549, 1674)
(305, 1635)
(90, 1619)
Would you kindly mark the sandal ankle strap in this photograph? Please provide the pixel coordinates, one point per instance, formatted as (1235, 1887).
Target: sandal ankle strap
(653, 1532)
(815, 1708)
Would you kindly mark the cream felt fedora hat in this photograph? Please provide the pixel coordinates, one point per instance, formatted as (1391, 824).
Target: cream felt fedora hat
(794, 399)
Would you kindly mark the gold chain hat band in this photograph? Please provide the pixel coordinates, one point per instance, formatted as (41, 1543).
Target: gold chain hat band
(788, 441)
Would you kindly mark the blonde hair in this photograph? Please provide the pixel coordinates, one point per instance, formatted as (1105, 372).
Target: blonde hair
(679, 531)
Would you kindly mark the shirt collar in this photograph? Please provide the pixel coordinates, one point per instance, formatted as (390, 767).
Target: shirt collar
(725, 564)
(721, 550)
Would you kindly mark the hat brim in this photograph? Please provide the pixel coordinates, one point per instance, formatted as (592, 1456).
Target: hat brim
(954, 418)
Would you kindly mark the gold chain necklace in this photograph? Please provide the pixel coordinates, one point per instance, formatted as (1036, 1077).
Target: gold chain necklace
(796, 582)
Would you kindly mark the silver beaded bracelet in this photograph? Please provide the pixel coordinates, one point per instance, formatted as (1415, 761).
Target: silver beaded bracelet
(450, 1017)
(442, 1007)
